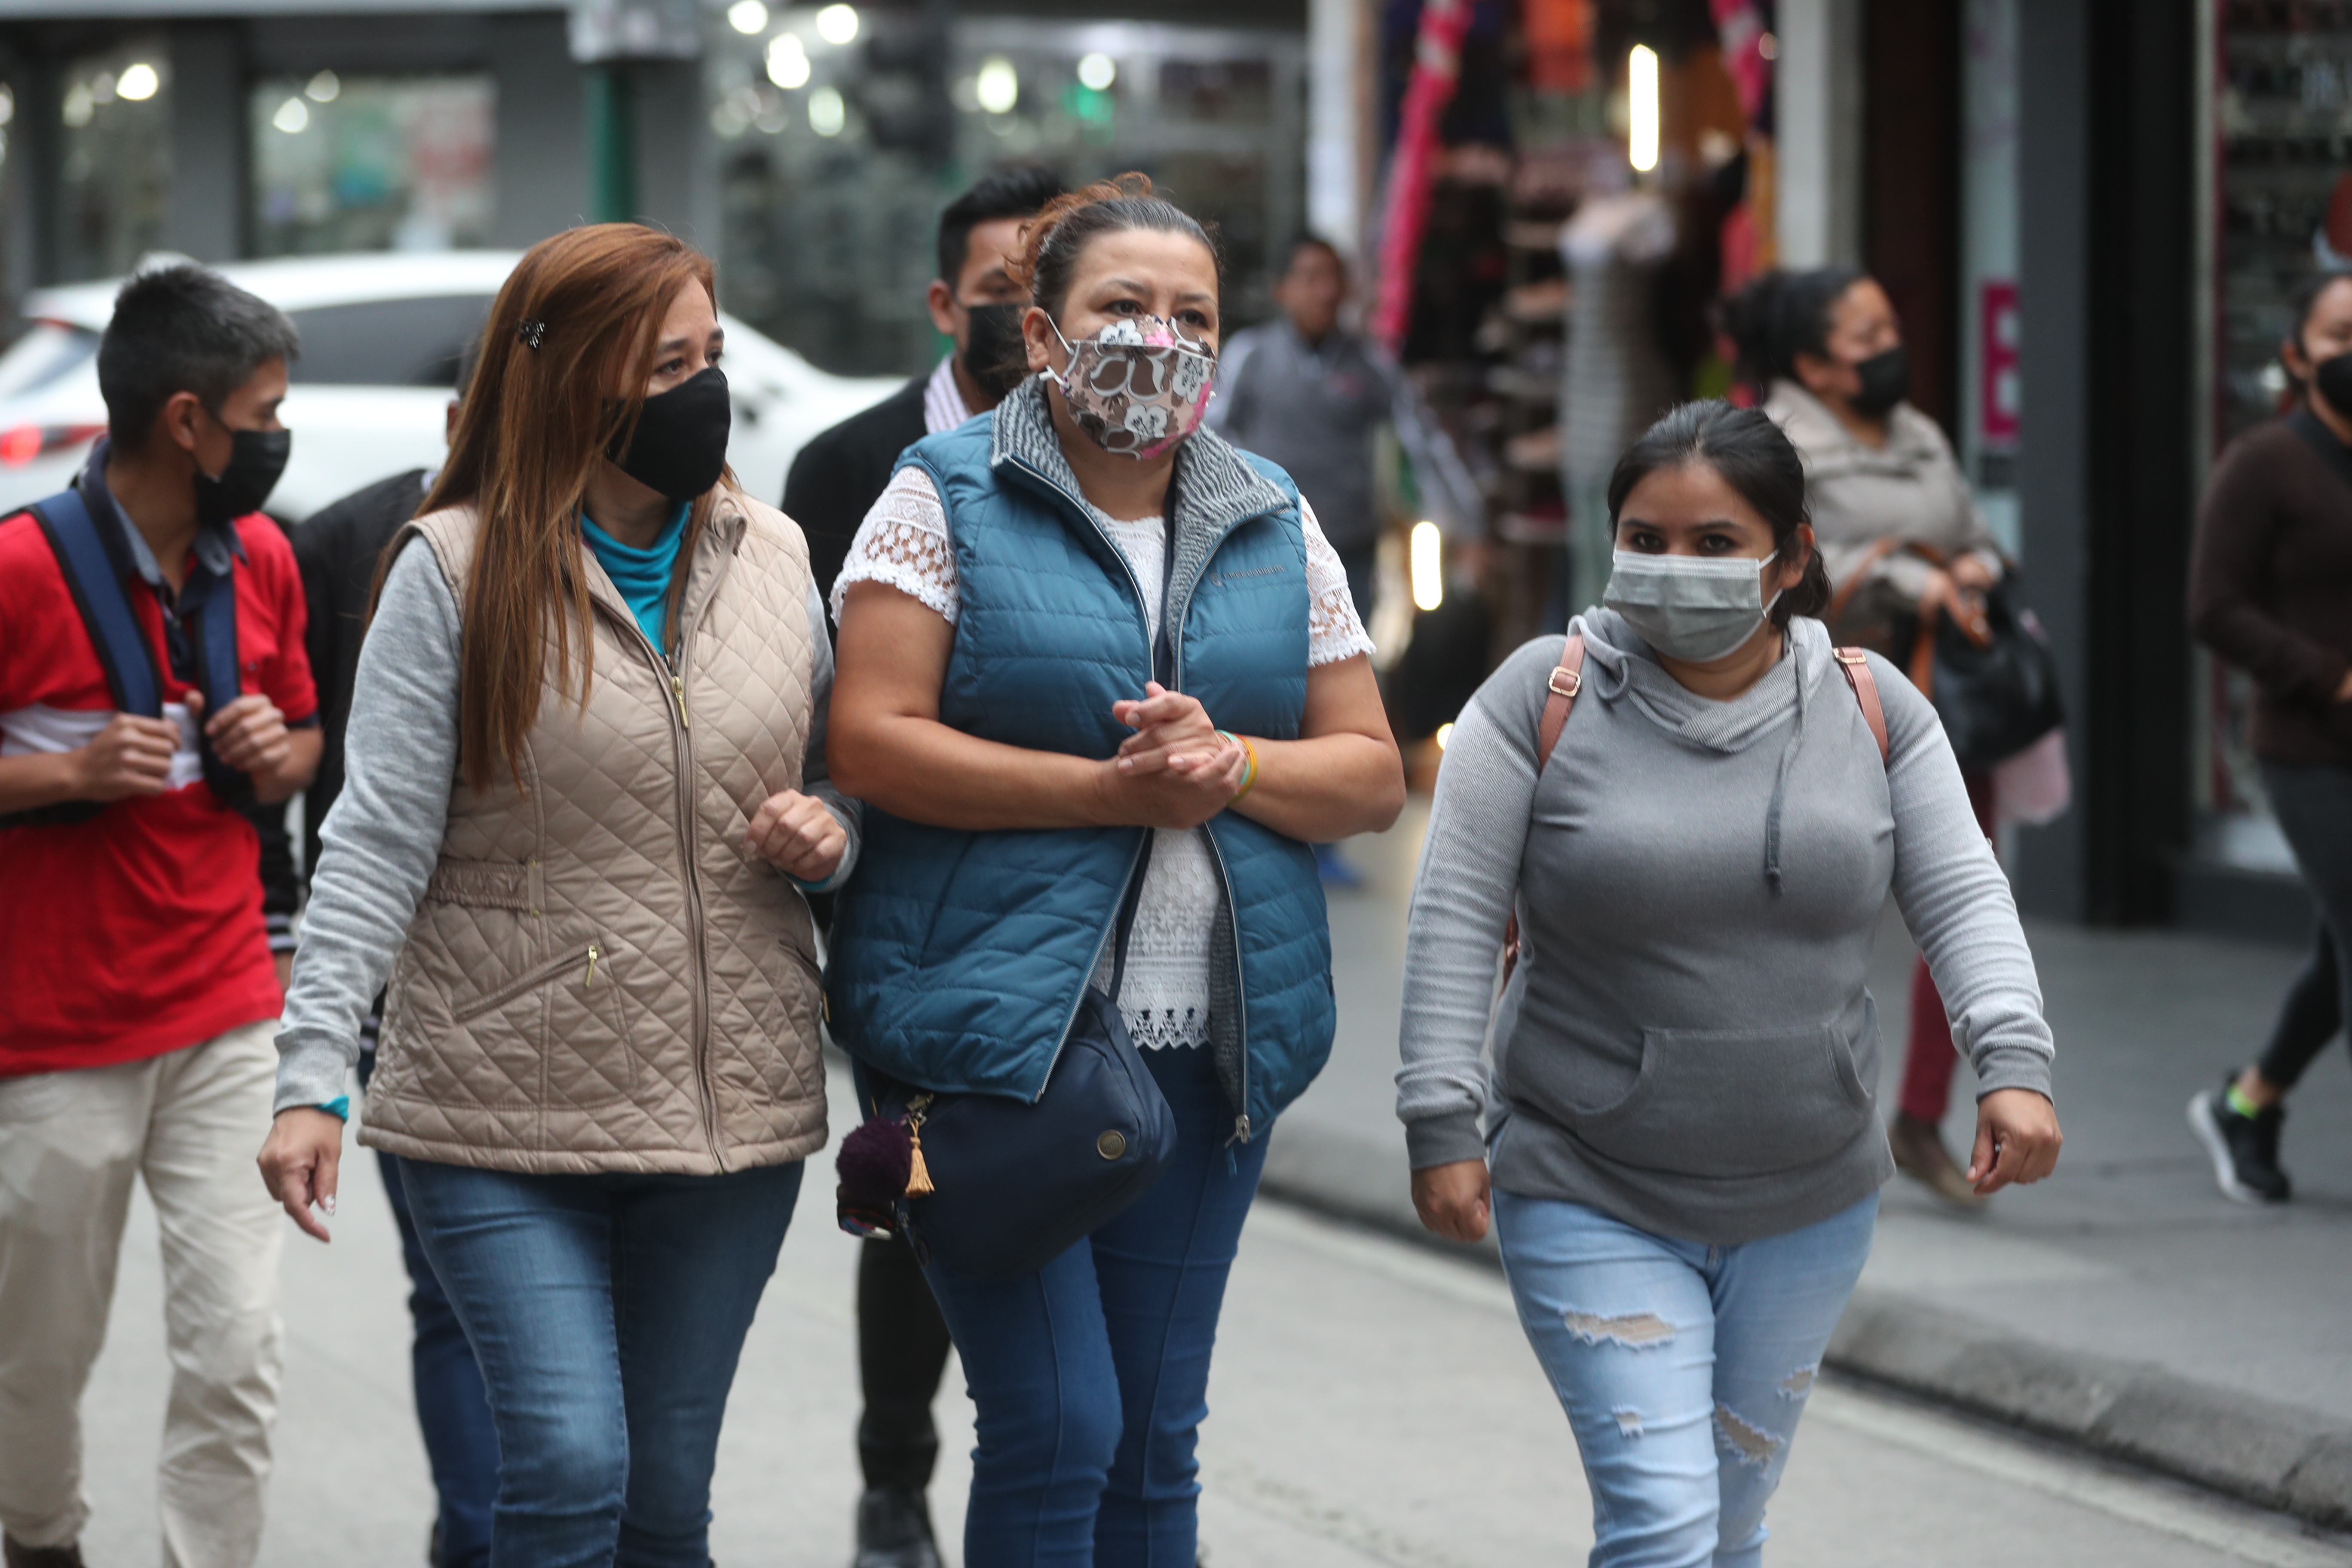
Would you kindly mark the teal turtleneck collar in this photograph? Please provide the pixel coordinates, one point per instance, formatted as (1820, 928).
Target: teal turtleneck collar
(642, 575)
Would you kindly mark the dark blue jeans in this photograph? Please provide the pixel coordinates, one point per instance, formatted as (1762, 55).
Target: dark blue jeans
(607, 1313)
(1092, 1374)
(461, 1444)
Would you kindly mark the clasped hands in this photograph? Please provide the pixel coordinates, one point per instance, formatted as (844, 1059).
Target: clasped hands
(132, 755)
(1176, 771)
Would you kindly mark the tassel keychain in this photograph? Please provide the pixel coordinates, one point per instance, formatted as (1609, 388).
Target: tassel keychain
(881, 1164)
(919, 1174)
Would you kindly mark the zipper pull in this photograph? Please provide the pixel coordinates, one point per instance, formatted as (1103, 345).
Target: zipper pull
(1241, 1130)
(678, 689)
(593, 953)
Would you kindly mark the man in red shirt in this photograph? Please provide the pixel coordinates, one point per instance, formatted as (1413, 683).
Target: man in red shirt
(138, 999)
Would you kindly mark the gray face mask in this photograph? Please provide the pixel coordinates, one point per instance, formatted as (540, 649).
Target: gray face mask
(1688, 607)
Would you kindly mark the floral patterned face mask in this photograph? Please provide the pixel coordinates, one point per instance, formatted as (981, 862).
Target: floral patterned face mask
(1137, 387)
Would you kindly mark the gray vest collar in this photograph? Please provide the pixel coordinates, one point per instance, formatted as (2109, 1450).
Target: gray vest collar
(1214, 490)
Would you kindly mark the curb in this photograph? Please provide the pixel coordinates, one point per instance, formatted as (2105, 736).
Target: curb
(2257, 1451)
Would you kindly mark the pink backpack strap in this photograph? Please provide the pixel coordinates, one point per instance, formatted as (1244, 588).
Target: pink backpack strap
(1854, 665)
(1566, 680)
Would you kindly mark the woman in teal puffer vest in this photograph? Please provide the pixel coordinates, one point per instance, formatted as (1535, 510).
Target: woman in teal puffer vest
(1083, 640)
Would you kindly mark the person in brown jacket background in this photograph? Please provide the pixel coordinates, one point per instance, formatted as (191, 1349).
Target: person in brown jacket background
(2270, 590)
(584, 793)
(1897, 527)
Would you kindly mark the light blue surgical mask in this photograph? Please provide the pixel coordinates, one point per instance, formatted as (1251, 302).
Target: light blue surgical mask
(1690, 607)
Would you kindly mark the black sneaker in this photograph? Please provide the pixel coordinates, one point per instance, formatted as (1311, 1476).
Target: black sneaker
(2244, 1150)
(894, 1531)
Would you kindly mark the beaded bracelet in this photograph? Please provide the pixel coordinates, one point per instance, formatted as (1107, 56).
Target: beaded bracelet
(1249, 767)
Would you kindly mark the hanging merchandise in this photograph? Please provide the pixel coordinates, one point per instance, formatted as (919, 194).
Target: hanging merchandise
(1436, 68)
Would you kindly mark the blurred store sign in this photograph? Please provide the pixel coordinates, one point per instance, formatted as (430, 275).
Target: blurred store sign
(604, 30)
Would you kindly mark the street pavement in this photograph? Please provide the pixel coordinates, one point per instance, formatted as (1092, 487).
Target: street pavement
(1374, 1403)
(2143, 1311)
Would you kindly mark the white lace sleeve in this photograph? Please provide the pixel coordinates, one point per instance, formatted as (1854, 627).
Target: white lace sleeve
(1333, 631)
(903, 544)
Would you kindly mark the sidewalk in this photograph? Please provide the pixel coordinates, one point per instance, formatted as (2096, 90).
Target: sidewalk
(2123, 1304)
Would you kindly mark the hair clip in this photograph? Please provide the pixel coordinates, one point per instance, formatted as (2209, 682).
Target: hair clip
(532, 333)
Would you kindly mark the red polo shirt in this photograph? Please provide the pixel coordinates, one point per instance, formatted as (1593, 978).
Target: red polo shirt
(138, 931)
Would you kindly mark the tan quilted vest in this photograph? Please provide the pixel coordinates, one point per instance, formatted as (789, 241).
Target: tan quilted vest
(599, 977)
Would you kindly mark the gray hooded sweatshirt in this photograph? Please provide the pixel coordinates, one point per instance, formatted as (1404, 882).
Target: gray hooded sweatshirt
(1688, 1044)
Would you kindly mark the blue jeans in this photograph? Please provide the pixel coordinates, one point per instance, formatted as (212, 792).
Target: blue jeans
(1091, 1376)
(607, 1312)
(1683, 1367)
(461, 1448)
(461, 1444)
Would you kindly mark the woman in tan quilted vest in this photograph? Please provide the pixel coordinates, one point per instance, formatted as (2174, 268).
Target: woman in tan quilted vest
(586, 791)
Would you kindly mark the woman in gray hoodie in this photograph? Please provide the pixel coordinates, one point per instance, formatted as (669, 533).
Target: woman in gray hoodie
(1679, 1119)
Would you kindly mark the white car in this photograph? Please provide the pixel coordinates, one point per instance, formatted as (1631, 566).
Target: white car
(380, 334)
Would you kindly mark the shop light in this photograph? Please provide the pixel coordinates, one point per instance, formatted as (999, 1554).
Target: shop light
(837, 23)
(1445, 733)
(1097, 72)
(747, 15)
(827, 113)
(293, 116)
(137, 83)
(788, 61)
(8, 104)
(77, 108)
(1642, 73)
(325, 87)
(998, 85)
(1428, 566)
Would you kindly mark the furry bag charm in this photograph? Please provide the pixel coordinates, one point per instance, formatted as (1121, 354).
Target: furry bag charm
(880, 1166)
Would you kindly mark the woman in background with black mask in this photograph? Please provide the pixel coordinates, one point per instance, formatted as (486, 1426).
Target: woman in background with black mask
(1899, 529)
(2270, 590)
(585, 793)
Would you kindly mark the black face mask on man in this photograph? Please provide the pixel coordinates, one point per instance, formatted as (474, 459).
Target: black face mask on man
(2333, 379)
(255, 460)
(679, 447)
(994, 355)
(1886, 381)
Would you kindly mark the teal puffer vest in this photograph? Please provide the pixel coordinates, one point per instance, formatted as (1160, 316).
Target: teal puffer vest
(959, 958)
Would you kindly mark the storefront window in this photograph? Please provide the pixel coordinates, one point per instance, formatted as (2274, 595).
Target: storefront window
(116, 161)
(368, 162)
(841, 132)
(2284, 205)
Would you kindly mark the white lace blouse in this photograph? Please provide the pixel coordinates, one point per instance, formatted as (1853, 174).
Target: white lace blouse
(1164, 996)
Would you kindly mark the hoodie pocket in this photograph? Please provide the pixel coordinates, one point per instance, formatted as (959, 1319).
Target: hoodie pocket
(1733, 1103)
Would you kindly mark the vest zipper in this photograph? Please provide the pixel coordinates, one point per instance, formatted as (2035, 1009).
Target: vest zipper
(1241, 991)
(591, 980)
(682, 747)
(1151, 662)
(1242, 1129)
(1070, 1019)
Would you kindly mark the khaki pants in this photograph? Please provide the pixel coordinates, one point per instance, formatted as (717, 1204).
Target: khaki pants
(70, 1144)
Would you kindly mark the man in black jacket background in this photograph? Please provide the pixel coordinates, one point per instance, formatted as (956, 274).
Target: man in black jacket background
(841, 472)
(902, 1341)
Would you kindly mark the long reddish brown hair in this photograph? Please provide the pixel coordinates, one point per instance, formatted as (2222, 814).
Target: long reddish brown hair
(534, 423)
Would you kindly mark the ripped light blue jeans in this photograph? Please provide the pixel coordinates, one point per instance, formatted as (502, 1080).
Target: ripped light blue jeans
(1683, 1367)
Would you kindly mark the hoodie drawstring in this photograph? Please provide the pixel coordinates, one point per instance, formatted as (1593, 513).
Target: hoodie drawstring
(1780, 781)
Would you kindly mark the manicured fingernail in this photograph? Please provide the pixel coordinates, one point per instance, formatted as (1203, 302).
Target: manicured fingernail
(328, 1203)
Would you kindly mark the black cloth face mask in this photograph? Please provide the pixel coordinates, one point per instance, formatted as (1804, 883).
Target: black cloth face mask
(993, 353)
(2333, 379)
(1886, 381)
(679, 448)
(256, 458)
